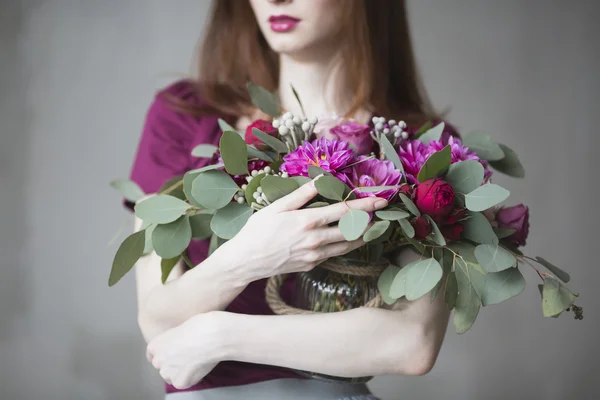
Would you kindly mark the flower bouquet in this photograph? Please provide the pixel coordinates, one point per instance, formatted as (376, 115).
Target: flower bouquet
(442, 205)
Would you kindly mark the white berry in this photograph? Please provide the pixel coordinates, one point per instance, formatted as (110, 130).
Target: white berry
(276, 123)
(305, 126)
(267, 170)
(283, 130)
(313, 120)
(254, 173)
(397, 134)
(240, 200)
(404, 135)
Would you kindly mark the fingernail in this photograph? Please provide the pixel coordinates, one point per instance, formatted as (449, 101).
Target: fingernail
(380, 204)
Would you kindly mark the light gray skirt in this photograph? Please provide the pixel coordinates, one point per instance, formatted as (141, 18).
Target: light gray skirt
(281, 389)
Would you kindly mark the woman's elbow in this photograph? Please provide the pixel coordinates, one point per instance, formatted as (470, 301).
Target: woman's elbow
(421, 356)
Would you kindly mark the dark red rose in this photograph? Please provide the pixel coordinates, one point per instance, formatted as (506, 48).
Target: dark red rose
(435, 198)
(407, 190)
(261, 125)
(452, 232)
(422, 227)
(515, 217)
(455, 216)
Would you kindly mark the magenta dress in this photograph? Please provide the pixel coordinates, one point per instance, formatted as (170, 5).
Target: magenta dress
(164, 152)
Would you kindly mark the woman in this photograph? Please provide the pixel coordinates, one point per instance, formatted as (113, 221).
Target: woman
(211, 334)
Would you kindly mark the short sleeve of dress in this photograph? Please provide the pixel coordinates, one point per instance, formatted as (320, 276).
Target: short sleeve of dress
(164, 148)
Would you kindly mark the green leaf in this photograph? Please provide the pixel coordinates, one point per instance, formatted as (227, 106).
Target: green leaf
(421, 277)
(331, 188)
(252, 186)
(205, 150)
(205, 168)
(465, 176)
(410, 206)
(170, 240)
(225, 126)
(177, 192)
(494, 258)
(200, 224)
(392, 215)
(229, 220)
(560, 274)
(275, 187)
(214, 189)
(434, 133)
(270, 141)
(436, 234)
(503, 232)
(451, 293)
(478, 229)
(148, 246)
(314, 171)
(556, 298)
(485, 196)
(510, 164)
(253, 152)
(161, 209)
(298, 100)
(391, 154)
(435, 165)
(128, 189)
(467, 304)
(215, 243)
(353, 223)
(166, 266)
(423, 128)
(407, 228)
(317, 204)
(483, 145)
(372, 189)
(127, 255)
(234, 152)
(263, 99)
(501, 286)
(188, 179)
(398, 286)
(384, 283)
(300, 180)
(464, 249)
(376, 230)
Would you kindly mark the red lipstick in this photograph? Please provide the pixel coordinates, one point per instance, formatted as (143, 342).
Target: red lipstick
(283, 23)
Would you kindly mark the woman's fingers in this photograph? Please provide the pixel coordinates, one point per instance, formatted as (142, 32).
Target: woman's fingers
(296, 199)
(329, 235)
(328, 214)
(340, 248)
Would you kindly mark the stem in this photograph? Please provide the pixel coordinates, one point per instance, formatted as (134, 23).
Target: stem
(172, 187)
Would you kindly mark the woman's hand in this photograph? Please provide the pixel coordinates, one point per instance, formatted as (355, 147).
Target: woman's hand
(187, 353)
(281, 239)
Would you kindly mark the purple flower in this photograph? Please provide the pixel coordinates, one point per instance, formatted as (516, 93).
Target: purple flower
(358, 135)
(413, 154)
(373, 172)
(459, 152)
(517, 218)
(330, 155)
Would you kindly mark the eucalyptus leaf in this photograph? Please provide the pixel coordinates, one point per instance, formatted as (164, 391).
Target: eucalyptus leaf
(560, 274)
(478, 229)
(234, 152)
(161, 209)
(317, 204)
(200, 224)
(465, 176)
(314, 171)
(510, 164)
(472, 272)
(421, 277)
(398, 286)
(205, 150)
(410, 206)
(205, 168)
(501, 286)
(229, 220)
(436, 234)
(375, 231)
(225, 126)
(437, 164)
(128, 189)
(372, 189)
(434, 133)
(252, 187)
(263, 99)
(384, 283)
(188, 179)
(175, 191)
(483, 146)
(166, 266)
(170, 240)
(353, 223)
(253, 152)
(407, 228)
(464, 249)
(451, 293)
(215, 243)
(130, 250)
(503, 232)
(485, 196)
(214, 189)
(275, 187)
(391, 154)
(331, 188)
(556, 297)
(270, 141)
(467, 304)
(148, 246)
(494, 258)
(301, 180)
(392, 215)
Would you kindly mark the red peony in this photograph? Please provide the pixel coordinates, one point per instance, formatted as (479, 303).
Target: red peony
(422, 227)
(452, 232)
(261, 125)
(406, 190)
(434, 197)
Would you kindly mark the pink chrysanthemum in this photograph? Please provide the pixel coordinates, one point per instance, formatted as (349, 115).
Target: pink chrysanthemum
(413, 154)
(372, 172)
(330, 155)
(459, 152)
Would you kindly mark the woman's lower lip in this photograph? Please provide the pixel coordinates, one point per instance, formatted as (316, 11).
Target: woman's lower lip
(285, 25)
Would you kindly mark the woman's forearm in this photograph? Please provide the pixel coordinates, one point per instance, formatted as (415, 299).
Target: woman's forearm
(360, 342)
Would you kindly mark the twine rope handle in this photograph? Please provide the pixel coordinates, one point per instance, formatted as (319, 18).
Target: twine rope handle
(279, 307)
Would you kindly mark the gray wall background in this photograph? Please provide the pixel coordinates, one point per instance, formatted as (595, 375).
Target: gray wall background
(76, 78)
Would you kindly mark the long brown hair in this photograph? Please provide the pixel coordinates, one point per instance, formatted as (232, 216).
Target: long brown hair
(377, 53)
